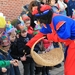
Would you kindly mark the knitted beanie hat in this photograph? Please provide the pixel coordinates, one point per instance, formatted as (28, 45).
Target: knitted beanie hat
(25, 17)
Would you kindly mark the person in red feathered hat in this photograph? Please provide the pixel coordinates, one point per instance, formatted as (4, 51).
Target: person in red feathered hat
(57, 28)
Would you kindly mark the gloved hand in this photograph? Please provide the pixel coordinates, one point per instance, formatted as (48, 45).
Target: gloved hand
(27, 50)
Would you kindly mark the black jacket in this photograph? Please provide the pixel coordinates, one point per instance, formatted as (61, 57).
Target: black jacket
(23, 49)
(14, 50)
(21, 44)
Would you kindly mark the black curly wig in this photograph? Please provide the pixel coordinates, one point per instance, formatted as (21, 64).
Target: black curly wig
(46, 18)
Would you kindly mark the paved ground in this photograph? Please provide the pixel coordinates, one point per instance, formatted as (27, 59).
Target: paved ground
(54, 71)
(57, 71)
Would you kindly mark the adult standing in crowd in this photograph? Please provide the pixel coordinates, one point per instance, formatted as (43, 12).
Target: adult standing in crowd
(55, 26)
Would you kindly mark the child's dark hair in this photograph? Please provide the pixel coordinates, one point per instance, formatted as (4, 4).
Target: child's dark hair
(18, 22)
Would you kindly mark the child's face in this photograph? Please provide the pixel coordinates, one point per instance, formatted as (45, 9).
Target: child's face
(12, 37)
(38, 22)
(7, 48)
(52, 3)
(34, 7)
(23, 33)
(5, 44)
(27, 23)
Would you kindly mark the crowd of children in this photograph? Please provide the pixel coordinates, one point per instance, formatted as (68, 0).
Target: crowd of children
(13, 39)
(12, 47)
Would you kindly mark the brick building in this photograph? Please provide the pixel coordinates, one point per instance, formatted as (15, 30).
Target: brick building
(12, 8)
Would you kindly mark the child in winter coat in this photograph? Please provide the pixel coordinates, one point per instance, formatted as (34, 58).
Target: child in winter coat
(44, 45)
(27, 22)
(11, 31)
(27, 61)
(4, 55)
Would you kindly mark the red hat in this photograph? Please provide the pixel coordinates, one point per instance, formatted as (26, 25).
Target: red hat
(42, 9)
(25, 18)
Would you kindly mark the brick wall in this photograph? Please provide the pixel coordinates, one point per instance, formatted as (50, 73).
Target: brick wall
(12, 8)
